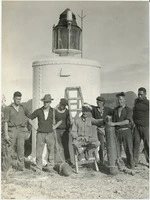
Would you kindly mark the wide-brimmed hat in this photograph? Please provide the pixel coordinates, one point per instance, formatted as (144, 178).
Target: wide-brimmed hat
(47, 98)
(64, 102)
(99, 98)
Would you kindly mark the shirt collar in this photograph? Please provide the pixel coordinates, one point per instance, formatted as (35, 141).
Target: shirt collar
(122, 108)
(14, 107)
(60, 111)
(43, 108)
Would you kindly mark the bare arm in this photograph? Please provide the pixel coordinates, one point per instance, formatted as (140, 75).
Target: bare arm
(125, 122)
(6, 131)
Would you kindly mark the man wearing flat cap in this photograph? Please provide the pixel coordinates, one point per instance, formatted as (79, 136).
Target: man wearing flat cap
(62, 114)
(82, 132)
(44, 132)
(100, 112)
(122, 121)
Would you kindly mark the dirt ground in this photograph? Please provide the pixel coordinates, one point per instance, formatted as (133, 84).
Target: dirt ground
(88, 184)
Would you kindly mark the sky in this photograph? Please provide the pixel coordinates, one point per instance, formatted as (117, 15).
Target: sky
(115, 34)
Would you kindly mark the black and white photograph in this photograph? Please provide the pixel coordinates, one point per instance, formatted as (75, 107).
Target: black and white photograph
(75, 99)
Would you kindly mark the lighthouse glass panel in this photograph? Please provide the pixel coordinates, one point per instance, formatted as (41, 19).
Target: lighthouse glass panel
(62, 42)
(75, 38)
(61, 38)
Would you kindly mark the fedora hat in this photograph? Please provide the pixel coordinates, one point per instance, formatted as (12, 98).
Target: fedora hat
(47, 98)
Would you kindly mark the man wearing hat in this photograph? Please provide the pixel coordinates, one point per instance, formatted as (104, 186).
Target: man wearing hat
(15, 129)
(45, 132)
(122, 121)
(82, 132)
(100, 112)
(62, 114)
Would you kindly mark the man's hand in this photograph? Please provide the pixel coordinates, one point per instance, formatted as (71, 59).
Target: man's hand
(111, 124)
(58, 124)
(82, 138)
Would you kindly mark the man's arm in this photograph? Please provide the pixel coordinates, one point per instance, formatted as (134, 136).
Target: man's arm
(33, 115)
(134, 111)
(125, 122)
(6, 132)
(26, 111)
(128, 119)
(6, 120)
(97, 122)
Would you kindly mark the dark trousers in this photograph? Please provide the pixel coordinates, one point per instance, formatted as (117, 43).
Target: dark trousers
(141, 132)
(65, 143)
(5, 154)
(41, 140)
(17, 140)
(59, 146)
(125, 137)
(101, 138)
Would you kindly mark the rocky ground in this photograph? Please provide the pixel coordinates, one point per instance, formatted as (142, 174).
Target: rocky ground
(88, 184)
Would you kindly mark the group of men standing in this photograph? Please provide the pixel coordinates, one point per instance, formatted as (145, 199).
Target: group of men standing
(16, 117)
(130, 127)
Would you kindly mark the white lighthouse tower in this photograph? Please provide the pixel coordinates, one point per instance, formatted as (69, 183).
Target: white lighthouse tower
(52, 76)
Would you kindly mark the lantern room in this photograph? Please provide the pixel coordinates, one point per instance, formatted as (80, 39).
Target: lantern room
(67, 35)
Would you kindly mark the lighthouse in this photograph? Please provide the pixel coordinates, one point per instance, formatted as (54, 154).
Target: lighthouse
(53, 75)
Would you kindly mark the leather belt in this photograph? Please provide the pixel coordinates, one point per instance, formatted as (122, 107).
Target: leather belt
(123, 129)
(16, 126)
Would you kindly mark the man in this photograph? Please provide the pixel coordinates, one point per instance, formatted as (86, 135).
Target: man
(62, 114)
(15, 129)
(44, 133)
(122, 120)
(82, 133)
(141, 120)
(100, 112)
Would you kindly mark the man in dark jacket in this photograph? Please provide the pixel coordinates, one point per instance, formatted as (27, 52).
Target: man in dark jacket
(100, 112)
(44, 133)
(122, 120)
(141, 120)
(62, 114)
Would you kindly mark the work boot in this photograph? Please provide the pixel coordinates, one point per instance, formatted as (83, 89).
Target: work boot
(49, 168)
(36, 169)
(19, 168)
